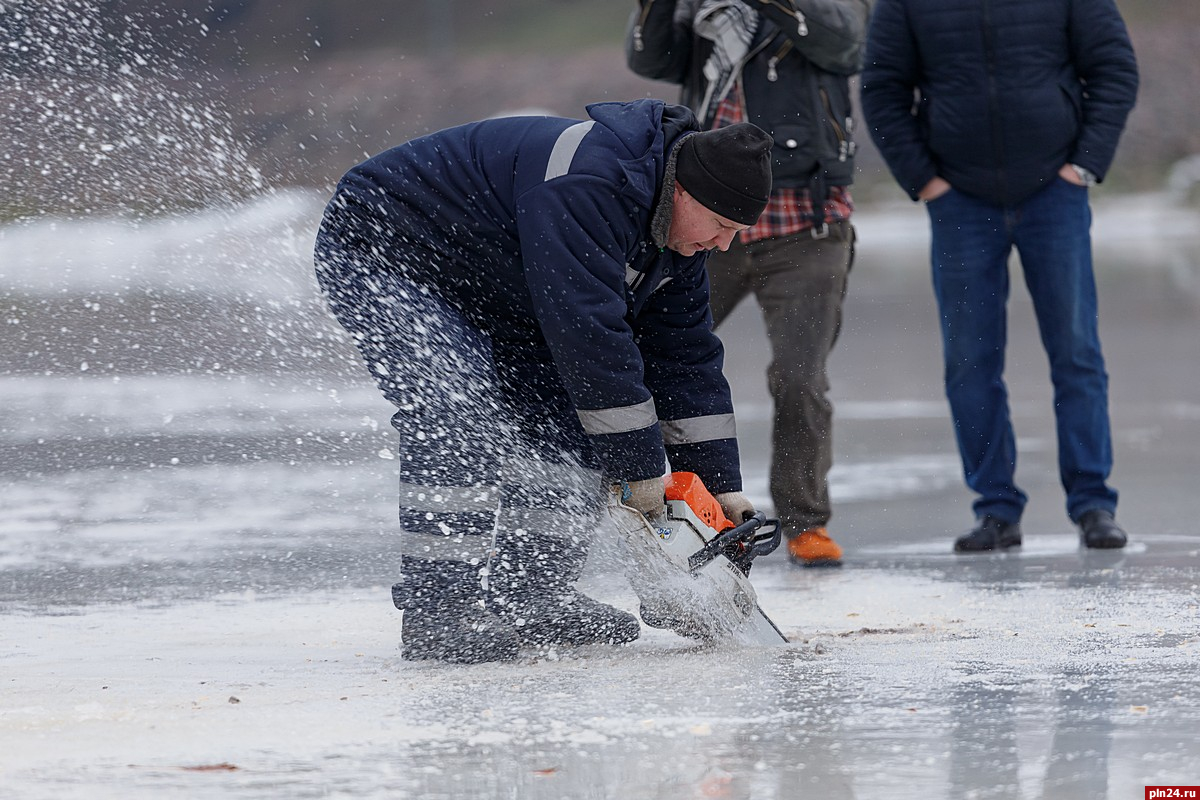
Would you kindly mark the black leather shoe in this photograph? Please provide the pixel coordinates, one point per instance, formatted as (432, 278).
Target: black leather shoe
(1100, 531)
(992, 533)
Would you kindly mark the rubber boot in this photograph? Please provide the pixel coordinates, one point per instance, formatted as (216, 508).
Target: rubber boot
(566, 616)
(445, 618)
(456, 635)
(532, 589)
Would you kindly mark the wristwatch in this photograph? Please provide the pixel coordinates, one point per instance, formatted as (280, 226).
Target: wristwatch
(1085, 175)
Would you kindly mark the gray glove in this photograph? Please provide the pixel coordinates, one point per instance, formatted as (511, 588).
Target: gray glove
(645, 496)
(737, 506)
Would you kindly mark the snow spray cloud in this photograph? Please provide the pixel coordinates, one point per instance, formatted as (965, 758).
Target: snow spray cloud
(98, 118)
(135, 232)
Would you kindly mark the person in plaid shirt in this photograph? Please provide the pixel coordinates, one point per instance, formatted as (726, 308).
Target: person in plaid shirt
(783, 65)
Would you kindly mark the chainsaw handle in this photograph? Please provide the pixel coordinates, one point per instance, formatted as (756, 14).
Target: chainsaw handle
(764, 542)
(741, 544)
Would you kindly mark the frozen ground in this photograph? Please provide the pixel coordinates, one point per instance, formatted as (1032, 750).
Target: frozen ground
(195, 550)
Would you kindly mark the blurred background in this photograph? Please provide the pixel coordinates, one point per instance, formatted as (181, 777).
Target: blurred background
(147, 104)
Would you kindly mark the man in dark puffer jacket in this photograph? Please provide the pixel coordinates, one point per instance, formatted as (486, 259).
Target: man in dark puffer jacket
(1018, 108)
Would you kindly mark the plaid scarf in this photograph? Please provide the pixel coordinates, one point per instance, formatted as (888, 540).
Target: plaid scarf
(729, 25)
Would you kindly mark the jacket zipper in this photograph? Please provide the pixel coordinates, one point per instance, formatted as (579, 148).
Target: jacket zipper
(772, 73)
(638, 44)
(742, 65)
(989, 43)
(750, 55)
(790, 8)
(845, 146)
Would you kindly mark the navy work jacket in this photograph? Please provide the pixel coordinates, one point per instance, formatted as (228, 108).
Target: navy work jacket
(539, 230)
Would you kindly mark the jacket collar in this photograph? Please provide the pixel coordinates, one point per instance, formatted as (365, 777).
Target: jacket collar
(660, 223)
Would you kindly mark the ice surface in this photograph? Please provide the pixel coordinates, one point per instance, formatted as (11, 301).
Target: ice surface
(930, 680)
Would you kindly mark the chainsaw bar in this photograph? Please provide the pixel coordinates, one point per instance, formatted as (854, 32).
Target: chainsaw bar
(694, 580)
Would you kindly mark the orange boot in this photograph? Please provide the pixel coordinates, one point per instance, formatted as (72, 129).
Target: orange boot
(814, 548)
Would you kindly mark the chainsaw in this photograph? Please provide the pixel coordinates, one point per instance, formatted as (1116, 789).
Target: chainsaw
(691, 566)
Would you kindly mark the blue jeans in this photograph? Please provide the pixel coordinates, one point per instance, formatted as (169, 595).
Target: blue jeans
(971, 243)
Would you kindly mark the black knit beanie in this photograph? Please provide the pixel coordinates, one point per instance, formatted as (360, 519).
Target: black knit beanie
(728, 170)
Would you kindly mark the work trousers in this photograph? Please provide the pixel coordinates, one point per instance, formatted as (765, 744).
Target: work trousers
(498, 488)
(799, 282)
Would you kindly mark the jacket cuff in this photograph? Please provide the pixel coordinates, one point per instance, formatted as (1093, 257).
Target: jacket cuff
(632, 456)
(715, 461)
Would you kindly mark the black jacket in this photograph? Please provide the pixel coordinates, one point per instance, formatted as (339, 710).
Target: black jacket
(1009, 91)
(795, 78)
